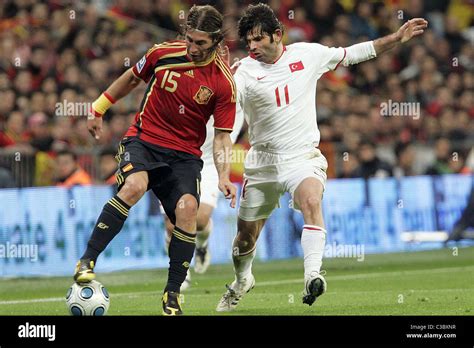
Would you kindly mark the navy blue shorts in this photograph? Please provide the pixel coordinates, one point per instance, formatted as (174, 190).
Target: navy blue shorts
(171, 173)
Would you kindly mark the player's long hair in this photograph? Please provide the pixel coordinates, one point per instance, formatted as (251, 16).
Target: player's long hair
(206, 19)
(260, 17)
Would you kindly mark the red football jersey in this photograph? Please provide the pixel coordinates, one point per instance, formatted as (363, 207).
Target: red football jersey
(181, 96)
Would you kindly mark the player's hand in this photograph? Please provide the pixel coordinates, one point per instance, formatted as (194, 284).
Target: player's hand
(414, 27)
(94, 125)
(229, 190)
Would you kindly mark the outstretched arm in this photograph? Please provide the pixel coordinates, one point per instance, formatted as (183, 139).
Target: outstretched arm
(414, 27)
(118, 89)
(370, 49)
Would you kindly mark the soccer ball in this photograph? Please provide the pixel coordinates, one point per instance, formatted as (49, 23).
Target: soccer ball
(87, 299)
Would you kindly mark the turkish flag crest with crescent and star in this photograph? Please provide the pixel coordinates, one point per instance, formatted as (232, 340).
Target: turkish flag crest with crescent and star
(296, 66)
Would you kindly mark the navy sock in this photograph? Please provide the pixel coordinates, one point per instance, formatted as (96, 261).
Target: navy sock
(181, 251)
(108, 225)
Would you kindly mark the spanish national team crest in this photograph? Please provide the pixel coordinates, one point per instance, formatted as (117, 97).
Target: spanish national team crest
(203, 95)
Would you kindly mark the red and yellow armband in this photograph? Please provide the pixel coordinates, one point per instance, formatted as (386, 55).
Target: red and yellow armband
(102, 104)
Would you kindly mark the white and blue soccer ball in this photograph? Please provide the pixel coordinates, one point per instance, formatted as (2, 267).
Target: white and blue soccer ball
(87, 299)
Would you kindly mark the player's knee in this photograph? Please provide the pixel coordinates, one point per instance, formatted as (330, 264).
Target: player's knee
(246, 236)
(310, 205)
(243, 243)
(187, 208)
(133, 189)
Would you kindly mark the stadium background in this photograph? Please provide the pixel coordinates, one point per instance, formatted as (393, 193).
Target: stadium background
(388, 174)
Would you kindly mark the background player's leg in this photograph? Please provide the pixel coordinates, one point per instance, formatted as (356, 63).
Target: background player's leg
(204, 229)
(308, 197)
(169, 231)
(182, 243)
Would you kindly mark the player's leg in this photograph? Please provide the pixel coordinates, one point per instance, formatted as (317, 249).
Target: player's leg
(243, 254)
(110, 222)
(204, 229)
(259, 199)
(180, 251)
(169, 232)
(209, 195)
(180, 199)
(307, 196)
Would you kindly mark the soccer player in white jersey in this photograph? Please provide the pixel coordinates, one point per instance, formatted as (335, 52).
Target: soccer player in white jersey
(276, 89)
(208, 199)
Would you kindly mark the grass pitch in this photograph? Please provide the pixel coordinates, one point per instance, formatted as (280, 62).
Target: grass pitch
(437, 282)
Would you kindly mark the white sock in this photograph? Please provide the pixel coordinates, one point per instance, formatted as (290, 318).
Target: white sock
(167, 241)
(202, 237)
(243, 264)
(313, 240)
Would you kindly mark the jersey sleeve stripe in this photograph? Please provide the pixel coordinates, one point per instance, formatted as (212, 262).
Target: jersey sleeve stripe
(224, 129)
(341, 59)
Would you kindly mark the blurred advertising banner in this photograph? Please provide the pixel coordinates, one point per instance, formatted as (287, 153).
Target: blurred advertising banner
(44, 231)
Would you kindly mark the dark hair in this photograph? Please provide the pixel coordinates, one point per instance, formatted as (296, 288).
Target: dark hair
(206, 18)
(67, 152)
(261, 17)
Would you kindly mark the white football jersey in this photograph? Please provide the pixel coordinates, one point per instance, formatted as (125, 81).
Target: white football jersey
(206, 148)
(278, 99)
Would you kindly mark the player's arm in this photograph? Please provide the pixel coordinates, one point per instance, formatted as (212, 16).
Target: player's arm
(414, 27)
(117, 90)
(222, 150)
(363, 51)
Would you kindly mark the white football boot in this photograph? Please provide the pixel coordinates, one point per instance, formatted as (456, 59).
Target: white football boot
(202, 260)
(314, 287)
(187, 282)
(234, 293)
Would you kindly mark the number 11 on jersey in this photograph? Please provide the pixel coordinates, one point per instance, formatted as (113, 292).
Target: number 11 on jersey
(277, 95)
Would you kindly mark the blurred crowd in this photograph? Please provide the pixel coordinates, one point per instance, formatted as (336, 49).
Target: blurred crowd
(58, 52)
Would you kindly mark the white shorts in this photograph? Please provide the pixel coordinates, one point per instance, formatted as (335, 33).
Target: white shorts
(209, 184)
(268, 176)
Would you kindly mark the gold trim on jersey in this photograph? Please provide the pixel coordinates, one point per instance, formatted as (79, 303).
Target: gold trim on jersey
(183, 65)
(229, 77)
(144, 104)
(165, 45)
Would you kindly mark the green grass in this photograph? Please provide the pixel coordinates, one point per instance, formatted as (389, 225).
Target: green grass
(421, 283)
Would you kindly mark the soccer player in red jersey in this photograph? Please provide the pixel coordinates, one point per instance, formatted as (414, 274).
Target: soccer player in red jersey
(187, 83)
